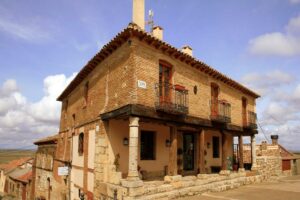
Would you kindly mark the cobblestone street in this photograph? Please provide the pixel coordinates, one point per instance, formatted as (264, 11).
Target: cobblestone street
(285, 188)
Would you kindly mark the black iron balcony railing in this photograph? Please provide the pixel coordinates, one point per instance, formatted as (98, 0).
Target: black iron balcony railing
(171, 98)
(251, 120)
(220, 111)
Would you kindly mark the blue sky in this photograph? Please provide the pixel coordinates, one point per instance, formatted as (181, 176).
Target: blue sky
(43, 43)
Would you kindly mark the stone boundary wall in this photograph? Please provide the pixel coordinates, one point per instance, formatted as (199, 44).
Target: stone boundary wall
(178, 186)
(268, 159)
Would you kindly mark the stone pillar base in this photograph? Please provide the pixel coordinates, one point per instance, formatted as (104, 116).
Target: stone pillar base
(132, 183)
(254, 168)
(135, 188)
(225, 172)
(241, 169)
(169, 179)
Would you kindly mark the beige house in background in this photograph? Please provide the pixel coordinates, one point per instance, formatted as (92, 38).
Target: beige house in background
(142, 110)
(15, 178)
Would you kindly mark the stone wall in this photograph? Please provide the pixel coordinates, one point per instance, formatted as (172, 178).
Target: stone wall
(147, 60)
(46, 178)
(178, 186)
(268, 160)
(45, 183)
(113, 84)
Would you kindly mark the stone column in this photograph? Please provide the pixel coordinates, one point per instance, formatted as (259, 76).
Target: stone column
(253, 152)
(201, 152)
(133, 148)
(241, 152)
(172, 167)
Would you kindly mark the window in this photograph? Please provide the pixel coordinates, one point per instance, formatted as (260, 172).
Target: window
(244, 111)
(214, 99)
(74, 119)
(86, 93)
(147, 145)
(216, 147)
(80, 143)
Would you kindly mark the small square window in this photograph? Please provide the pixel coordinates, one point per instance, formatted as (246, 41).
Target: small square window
(216, 147)
(147, 149)
(80, 143)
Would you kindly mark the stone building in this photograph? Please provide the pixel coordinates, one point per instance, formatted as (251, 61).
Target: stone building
(272, 159)
(52, 154)
(142, 110)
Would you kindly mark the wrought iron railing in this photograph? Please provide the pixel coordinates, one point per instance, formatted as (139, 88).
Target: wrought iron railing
(251, 121)
(220, 111)
(171, 98)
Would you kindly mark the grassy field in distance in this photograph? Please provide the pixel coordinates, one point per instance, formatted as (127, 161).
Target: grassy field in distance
(7, 155)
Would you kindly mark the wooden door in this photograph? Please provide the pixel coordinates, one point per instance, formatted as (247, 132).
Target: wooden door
(165, 87)
(244, 111)
(188, 152)
(286, 165)
(214, 99)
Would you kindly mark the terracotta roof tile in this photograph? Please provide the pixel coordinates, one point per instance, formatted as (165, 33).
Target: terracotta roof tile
(14, 164)
(26, 177)
(50, 139)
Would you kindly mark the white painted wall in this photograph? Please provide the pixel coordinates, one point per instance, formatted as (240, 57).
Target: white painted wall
(91, 149)
(2, 181)
(91, 182)
(77, 159)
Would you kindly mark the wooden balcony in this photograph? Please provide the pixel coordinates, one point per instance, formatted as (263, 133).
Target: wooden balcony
(172, 99)
(220, 111)
(250, 122)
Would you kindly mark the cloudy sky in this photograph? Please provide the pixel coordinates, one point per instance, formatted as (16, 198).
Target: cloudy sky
(44, 43)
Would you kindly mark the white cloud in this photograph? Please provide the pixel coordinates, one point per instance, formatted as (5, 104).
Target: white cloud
(31, 29)
(53, 86)
(28, 121)
(29, 32)
(286, 43)
(279, 107)
(8, 87)
(265, 83)
(294, 1)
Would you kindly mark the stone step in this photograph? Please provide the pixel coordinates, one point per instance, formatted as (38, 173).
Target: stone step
(158, 189)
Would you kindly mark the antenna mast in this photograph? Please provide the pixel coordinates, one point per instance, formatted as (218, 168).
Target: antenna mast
(150, 21)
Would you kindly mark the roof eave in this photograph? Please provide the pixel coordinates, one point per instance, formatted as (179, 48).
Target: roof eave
(134, 30)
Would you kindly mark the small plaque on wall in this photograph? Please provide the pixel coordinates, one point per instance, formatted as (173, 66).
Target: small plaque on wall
(63, 171)
(142, 84)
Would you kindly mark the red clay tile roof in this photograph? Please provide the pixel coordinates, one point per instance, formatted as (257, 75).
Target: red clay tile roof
(46, 140)
(26, 177)
(134, 31)
(14, 164)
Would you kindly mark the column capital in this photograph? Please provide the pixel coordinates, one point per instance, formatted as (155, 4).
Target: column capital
(134, 121)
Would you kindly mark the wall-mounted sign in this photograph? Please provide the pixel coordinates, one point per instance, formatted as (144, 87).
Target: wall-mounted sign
(142, 84)
(63, 171)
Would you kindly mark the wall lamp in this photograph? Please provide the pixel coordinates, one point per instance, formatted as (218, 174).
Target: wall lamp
(208, 145)
(125, 141)
(168, 143)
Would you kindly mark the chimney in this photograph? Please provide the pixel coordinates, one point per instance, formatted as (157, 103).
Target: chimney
(138, 13)
(263, 145)
(188, 50)
(274, 139)
(158, 32)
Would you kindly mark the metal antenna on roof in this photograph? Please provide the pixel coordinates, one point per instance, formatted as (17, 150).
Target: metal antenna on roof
(150, 21)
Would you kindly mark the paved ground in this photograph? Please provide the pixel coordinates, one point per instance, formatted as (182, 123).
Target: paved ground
(286, 188)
